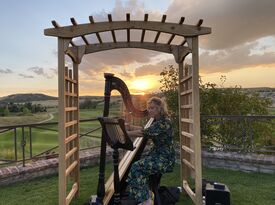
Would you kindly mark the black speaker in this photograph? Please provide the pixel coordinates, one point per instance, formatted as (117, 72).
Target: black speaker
(217, 194)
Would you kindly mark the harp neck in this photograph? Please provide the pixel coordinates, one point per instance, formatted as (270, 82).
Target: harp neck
(148, 124)
(119, 85)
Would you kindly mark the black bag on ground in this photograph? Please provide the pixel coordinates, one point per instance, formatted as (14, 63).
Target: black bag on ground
(169, 195)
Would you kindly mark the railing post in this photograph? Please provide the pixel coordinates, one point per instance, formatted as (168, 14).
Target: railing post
(30, 134)
(251, 134)
(23, 144)
(244, 134)
(15, 144)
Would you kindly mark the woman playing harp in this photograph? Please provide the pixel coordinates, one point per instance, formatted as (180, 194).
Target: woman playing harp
(161, 158)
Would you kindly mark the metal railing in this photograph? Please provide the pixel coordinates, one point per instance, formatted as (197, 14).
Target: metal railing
(27, 135)
(237, 133)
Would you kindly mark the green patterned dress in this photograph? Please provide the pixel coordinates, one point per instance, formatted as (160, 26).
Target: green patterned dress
(161, 159)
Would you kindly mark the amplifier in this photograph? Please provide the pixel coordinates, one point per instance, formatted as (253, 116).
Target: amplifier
(217, 194)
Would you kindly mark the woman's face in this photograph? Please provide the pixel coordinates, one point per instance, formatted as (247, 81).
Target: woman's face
(153, 110)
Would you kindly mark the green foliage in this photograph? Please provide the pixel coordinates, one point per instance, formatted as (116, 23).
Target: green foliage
(14, 107)
(217, 100)
(38, 108)
(231, 101)
(1, 111)
(6, 112)
(88, 104)
(169, 87)
(22, 108)
(25, 111)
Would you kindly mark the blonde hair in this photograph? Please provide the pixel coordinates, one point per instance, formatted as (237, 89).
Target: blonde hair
(161, 103)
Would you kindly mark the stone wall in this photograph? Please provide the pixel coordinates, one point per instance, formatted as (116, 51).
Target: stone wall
(228, 160)
(35, 169)
(237, 161)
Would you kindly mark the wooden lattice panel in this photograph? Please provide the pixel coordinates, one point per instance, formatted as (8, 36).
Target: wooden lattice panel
(69, 139)
(190, 125)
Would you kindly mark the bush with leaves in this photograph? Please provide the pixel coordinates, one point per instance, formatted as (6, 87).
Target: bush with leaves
(169, 88)
(88, 104)
(217, 100)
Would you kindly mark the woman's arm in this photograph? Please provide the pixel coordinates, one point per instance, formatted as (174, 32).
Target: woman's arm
(135, 133)
(132, 127)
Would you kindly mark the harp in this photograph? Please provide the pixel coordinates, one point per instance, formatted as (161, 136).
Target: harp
(105, 191)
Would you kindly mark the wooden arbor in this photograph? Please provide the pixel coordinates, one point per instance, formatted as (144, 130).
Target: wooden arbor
(68, 89)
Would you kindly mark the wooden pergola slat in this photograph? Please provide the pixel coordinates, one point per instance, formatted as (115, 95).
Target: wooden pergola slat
(143, 30)
(83, 37)
(158, 34)
(128, 30)
(183, 42)
(56, 25)
(197, 25)
(85, 29)
(173, 35)
(91, 18)
(112, 31)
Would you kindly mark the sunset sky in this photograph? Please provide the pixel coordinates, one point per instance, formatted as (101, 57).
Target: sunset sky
(241, 46)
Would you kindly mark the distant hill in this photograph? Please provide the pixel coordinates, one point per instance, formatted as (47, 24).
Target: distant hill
(28, 97)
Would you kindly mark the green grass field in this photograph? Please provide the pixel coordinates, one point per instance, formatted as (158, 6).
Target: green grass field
(43, 140)
(245, 188)
(18, 120)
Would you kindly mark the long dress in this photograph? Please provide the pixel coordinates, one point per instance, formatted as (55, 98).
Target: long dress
(161, 159)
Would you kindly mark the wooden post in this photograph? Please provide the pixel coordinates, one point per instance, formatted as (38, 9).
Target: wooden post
(77, 127)
(61, 122)
(68, 125)
(196, 118)
(182, 170)
(189, 120)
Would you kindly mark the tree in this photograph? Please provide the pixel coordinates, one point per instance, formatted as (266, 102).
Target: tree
(13, 107)
(6, 112)
(28, 105)
(169, 80)
(38, 108)
(2, 111)
(169, 88)
(217, 100)
(88, 104)
(25, 111)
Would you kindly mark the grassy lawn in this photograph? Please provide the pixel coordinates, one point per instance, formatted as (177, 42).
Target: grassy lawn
(246, 188)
